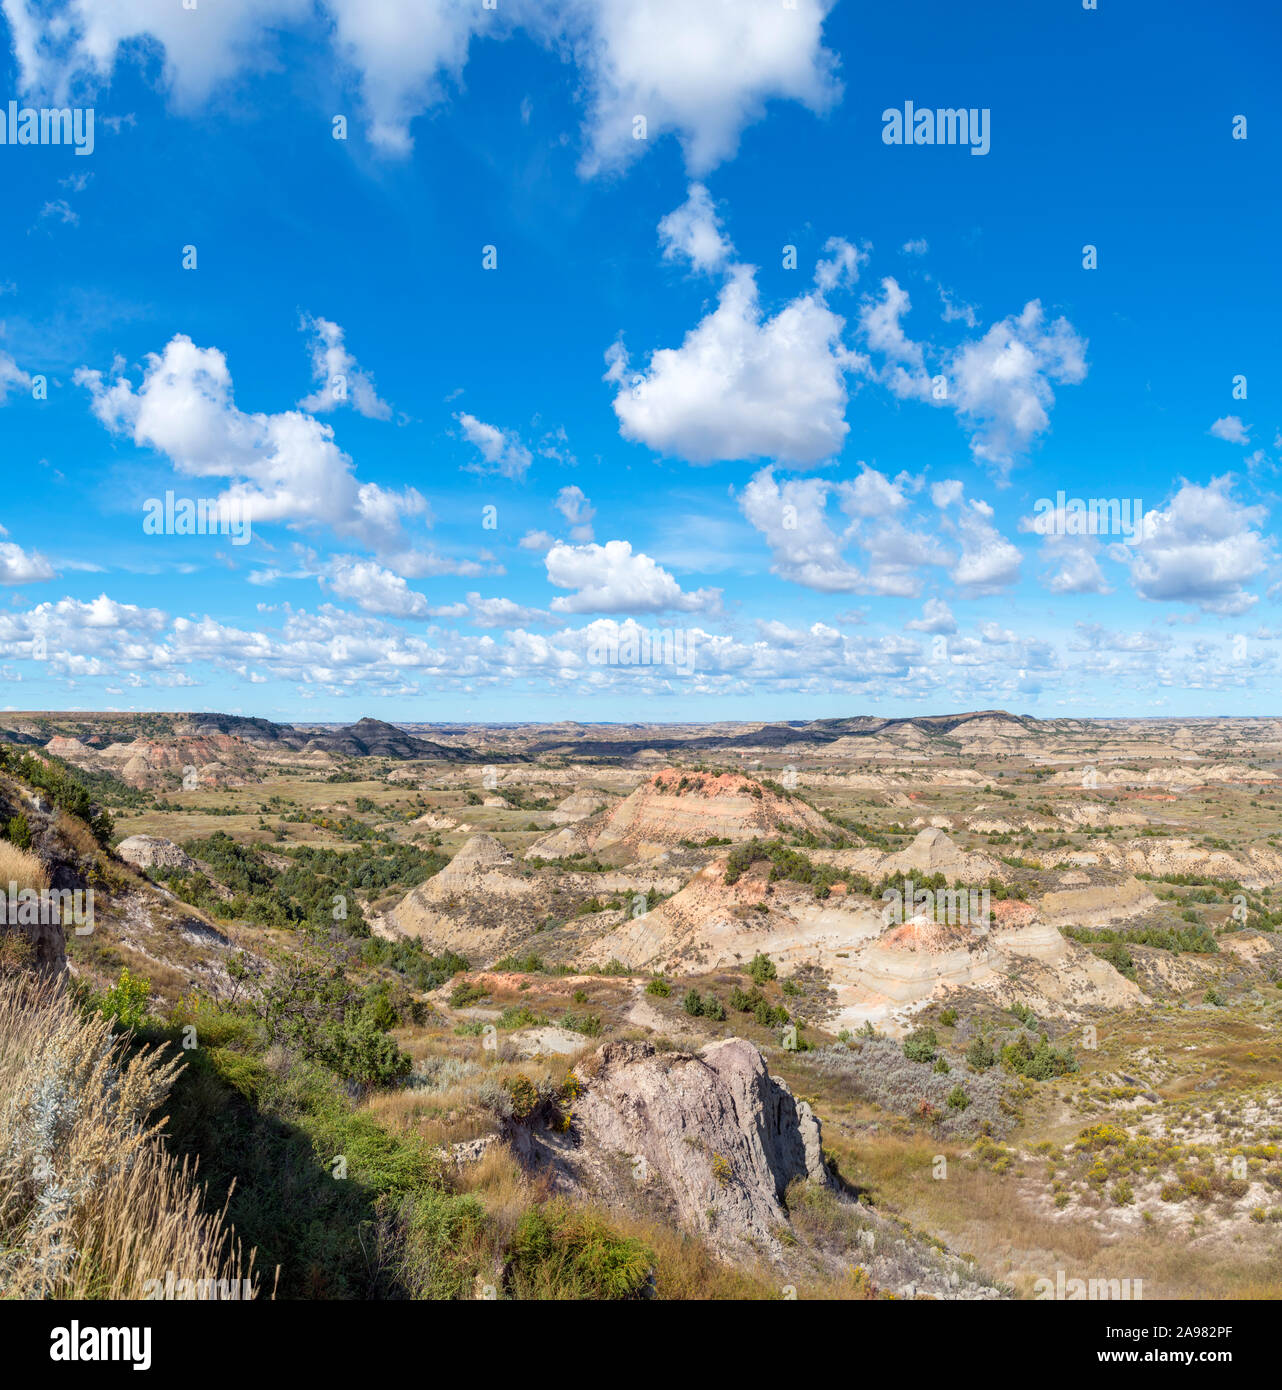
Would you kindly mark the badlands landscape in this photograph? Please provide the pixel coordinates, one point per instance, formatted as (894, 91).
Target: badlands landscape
(924, 1008)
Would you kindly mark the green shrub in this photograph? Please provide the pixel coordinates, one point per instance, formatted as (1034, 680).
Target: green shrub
(761, 969)
(560, 1251)
(18, 830)
(466, 992)
(660, 988)
(126, 1000)
(921, 1045)
(980, 1055)
(713, 1008)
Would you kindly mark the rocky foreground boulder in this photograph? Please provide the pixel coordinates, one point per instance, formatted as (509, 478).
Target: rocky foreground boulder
(711, 1135)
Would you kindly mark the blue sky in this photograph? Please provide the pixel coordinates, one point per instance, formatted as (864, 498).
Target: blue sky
(820, 468)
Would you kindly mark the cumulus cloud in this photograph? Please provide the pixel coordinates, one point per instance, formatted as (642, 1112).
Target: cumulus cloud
(610, 578)
(703, 72)
(372, 588)
(936, 616)
(1231, 429)
(339, 378)
(18, 566)
(999, 385)
(283, 468)
(1201, 548)
(987, 562)
(742, 385)
(693, 231)
(501, 450)
(794, 518)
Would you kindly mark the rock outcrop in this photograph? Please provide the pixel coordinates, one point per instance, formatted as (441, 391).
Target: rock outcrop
(711, 1132)
(151, 852)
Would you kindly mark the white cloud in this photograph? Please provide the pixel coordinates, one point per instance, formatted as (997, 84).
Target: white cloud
(372, 588)
(1001, 384)
(919, 247)
(284, 467)
(428, 564)
(879, 320)
(1072, 559)
(936, 616)
(839, 265)
(1230, 429)
(988, 562)
(491, 612)
(742, 386)
(501, 450)
(406, 54)
(574, 506)
(338, 375)
(1201, 548)
(18, 566)
(610, 578)
(537, 540)
(806, 549)
(794, 522)
(700, 72)
(11, 376)
(946, 492)
(57, 41)
(952, 310)
(694, 231)
(59, 210)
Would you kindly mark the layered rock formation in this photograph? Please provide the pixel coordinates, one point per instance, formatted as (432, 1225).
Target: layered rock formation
(675, 806)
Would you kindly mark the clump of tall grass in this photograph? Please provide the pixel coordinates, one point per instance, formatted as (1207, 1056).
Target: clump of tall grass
(91, 1204)
(20, 866)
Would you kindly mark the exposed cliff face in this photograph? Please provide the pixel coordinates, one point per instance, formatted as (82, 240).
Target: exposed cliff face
(712, 1135)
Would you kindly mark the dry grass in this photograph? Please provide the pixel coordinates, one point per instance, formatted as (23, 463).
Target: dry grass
(22, 867)
(91, 1205)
